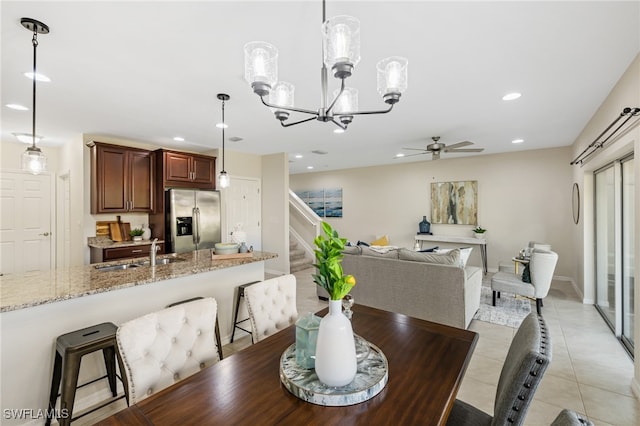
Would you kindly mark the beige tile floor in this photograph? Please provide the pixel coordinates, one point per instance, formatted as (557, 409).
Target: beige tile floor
(589, 372)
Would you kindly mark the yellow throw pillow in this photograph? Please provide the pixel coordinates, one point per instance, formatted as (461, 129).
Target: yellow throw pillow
(382, 241)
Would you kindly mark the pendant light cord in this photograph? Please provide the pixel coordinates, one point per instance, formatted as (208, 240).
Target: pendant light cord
(223, 126)
(33, 115)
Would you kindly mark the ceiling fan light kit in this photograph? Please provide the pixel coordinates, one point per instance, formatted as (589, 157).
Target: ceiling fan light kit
(341, 53)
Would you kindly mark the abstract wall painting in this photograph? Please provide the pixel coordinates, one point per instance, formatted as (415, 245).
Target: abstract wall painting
(454, 202)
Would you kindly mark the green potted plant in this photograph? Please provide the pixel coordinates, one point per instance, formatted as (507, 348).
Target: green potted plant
(136, 234)
(479, 232)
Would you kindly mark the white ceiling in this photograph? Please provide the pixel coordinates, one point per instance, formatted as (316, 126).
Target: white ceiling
(150, 71)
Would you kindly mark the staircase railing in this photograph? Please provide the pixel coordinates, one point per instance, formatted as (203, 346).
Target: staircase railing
(304, 223)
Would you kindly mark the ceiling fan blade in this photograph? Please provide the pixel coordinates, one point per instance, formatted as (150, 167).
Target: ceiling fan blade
(416, 149)
(411, 155)
(466, 150)
(457, 145)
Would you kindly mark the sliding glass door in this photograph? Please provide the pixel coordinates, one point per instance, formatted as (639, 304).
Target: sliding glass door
(614, 248)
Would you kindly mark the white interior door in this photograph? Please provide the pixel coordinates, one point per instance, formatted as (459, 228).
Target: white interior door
(25, 222)
(244, 205)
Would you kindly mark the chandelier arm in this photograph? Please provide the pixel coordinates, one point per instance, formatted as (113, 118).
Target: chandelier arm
(337, 96)
(366, 112)
(304, 111)
(297, 122)
(342, 126)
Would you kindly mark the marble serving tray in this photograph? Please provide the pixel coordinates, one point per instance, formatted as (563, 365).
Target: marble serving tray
(371, 378)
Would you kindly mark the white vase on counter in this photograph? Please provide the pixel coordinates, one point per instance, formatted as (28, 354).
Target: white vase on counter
(146, 233)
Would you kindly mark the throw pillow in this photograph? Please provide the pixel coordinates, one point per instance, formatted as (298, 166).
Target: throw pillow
(382, 241)
(429, 250)
(352, 250)
(526, 274)
(362, 243)
(465, 252)
(390, 252)
(452, 257)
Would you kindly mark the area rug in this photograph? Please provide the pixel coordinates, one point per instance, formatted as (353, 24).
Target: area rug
(509, 310)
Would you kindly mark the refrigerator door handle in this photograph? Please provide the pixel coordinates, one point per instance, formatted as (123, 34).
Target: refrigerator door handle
(198, 225)
(194, 232)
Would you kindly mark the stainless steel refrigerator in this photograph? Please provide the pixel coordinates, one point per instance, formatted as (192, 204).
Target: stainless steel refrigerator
(193, 219)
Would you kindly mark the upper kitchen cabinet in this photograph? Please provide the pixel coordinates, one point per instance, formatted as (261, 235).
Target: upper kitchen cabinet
(122, 179)
(184, 170)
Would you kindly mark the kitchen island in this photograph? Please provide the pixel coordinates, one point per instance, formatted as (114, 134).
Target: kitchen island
(37, 307)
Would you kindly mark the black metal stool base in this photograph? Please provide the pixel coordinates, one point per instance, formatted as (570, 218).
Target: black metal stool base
(235, 316)
(70, 348)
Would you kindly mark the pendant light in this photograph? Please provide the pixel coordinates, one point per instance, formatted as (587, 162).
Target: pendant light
(223, 177)
(33, 160)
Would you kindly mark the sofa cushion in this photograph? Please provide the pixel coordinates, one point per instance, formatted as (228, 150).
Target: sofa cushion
(352, 250)
(388, 252)
(465, 252)
(450, 258)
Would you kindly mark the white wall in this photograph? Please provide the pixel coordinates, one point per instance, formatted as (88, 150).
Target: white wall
(275, 211)
(522, 196)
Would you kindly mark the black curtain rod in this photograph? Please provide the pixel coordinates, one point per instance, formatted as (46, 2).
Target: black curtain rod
(629, 113)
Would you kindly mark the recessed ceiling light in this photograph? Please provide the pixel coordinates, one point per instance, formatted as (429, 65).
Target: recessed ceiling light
(511, 96)
(517, 141)
(235, 139)
(298, 155)
(178, 139)
(222, 125)
(39, 77)
(399, 155)
(338, 131)
(309, 167)
(17, 107)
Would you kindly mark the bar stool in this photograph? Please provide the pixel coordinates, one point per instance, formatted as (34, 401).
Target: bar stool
(70, 348)
(235, 317)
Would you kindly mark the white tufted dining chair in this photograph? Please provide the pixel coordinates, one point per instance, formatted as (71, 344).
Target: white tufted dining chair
(163, 347)
(271, 305)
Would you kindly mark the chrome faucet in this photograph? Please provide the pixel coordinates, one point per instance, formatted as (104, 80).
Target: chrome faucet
(152, 252)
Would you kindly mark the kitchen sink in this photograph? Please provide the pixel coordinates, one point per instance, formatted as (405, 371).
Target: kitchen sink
(117, 267)
(163, 261)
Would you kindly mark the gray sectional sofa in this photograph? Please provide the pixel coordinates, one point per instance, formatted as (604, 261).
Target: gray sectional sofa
(429, 286)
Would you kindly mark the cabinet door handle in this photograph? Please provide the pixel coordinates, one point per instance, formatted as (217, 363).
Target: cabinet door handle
(136, 251)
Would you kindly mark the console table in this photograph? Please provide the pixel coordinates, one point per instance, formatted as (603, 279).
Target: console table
(482, 242)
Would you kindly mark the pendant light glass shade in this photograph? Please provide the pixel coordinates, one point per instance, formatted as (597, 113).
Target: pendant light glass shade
(281, 96)
(392, 75)
(347, 102)
(34, 161)
(224, 181)
(261, 66)
(341, 41)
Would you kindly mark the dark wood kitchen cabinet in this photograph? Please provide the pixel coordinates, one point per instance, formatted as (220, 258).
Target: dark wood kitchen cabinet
(99, 255)
(186, 170)
(122, 179)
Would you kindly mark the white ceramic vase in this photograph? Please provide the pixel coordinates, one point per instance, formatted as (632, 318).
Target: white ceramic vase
(146, 233)
(335, 348)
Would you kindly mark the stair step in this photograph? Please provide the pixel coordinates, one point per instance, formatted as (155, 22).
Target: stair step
(296, 254)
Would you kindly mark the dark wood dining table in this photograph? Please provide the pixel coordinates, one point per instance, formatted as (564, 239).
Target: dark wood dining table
(427, 362)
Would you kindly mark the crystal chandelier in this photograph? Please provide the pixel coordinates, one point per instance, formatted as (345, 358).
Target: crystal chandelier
(33, 160)
(341, 53)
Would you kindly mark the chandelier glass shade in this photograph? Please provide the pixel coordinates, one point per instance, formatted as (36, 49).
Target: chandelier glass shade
(340, 53)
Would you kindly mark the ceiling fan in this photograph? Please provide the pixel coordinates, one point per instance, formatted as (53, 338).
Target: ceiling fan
(437, 147)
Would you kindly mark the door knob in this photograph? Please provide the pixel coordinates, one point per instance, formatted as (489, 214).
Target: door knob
(46, 234)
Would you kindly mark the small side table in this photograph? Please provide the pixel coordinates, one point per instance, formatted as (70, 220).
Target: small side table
(517, 261)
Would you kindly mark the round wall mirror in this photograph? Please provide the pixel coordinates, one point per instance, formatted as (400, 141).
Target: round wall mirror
(576, 203)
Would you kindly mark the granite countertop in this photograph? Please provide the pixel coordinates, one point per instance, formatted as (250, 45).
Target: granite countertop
(103, 242)
(29, 289)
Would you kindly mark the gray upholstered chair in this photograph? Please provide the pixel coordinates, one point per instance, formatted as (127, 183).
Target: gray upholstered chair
(510, 266)
(571, 418)
(526, 362)
(163, 347)
(271, 305)
(542, 264)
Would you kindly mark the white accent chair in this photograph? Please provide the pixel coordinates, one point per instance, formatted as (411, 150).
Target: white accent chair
(541, 267)
(163, 347)
(571, 418)
(510, 265)
(526, 362)
(271, 305)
